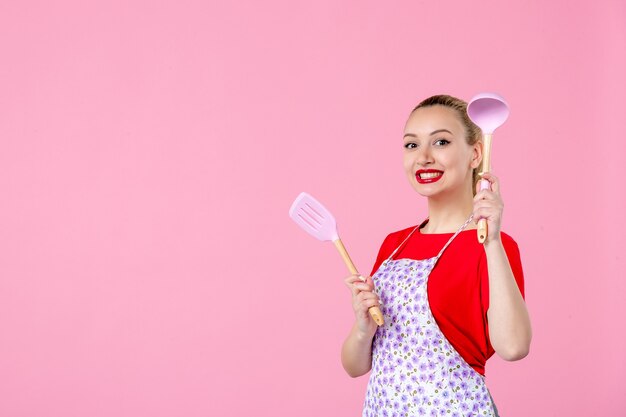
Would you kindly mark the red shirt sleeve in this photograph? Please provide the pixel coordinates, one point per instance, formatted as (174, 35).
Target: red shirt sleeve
(513, 254)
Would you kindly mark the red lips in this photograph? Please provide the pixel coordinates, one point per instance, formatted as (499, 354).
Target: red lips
(428, 180)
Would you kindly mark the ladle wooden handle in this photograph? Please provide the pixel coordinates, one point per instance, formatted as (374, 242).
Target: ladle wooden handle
(484, 184)
(375, 312)
(482, 223)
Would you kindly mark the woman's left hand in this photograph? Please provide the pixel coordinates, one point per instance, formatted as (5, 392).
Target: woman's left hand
(488, 205)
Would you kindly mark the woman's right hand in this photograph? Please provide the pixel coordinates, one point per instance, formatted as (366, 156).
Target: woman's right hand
(363, 297)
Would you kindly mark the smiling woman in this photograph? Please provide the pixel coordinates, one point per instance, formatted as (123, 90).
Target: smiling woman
(448, 119)
(439, 161)
(449, 302)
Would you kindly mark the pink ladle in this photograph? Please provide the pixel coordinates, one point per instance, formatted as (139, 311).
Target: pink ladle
(489, 111)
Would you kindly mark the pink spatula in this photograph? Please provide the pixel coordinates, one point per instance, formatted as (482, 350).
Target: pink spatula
(489, 111)
(316, 220)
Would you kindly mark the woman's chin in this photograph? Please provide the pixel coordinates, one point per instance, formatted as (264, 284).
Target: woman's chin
(427, 194)
(425, 190)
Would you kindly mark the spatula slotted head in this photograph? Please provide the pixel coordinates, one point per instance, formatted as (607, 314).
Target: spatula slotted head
(313, 217)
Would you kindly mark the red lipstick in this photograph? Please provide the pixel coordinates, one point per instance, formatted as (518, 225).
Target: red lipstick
(429, 177)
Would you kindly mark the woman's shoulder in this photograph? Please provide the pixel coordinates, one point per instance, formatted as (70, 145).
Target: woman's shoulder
(398, 235)
(403, 232)
(395, 238)
(392, 241)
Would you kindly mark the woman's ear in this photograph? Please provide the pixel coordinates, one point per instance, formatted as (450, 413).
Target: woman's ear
(477, 154)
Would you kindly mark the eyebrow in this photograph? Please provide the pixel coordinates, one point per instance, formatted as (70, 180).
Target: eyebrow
(431, 133)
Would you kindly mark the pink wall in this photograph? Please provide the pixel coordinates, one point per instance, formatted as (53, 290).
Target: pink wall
(150, 152)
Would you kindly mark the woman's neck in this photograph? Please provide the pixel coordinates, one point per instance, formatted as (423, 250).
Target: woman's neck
(446, 216)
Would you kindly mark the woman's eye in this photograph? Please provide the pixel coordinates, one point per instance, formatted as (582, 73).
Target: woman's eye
(442, 142)
(410, 145)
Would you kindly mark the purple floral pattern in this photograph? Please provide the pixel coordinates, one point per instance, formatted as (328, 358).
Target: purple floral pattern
(415, 369)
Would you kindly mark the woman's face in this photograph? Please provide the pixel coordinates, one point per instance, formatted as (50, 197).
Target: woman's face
(438, 161)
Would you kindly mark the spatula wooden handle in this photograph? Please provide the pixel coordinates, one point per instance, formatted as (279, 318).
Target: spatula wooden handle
(375, 312)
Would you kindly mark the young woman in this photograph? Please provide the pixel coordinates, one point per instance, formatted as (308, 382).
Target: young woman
(448, 301)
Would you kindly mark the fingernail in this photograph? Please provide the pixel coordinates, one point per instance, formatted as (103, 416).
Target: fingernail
(362, 278)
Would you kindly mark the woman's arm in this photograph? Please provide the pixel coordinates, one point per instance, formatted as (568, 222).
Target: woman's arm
(356, 352)
(510, 331)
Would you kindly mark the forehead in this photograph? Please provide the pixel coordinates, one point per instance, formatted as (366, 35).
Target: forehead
(425, 120)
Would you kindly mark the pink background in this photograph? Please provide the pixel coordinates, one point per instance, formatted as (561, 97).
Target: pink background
(150, 152)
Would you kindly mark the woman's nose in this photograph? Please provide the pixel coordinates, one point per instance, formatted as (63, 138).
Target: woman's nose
(424, 157)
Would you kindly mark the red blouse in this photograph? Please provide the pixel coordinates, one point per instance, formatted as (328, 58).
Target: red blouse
(458, 286)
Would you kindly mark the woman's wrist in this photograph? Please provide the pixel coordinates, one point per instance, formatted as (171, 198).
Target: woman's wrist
(493, 243)
(363, 337)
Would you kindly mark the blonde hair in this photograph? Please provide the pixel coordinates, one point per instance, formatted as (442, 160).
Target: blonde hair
(473, 132)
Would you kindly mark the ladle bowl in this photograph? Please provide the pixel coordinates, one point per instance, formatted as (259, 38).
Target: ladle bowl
(488, 111)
